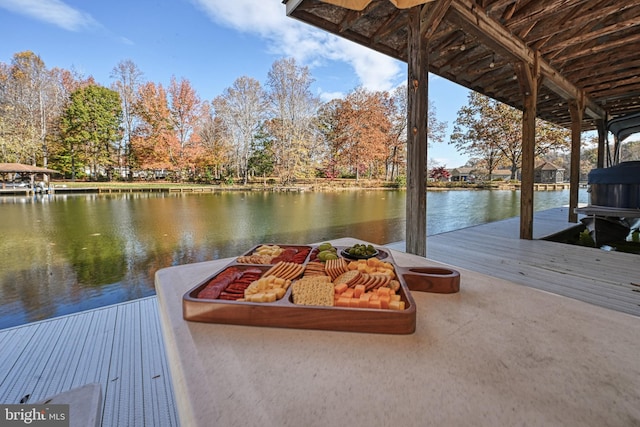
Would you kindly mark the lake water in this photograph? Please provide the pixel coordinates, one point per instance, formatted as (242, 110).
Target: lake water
(61, 254)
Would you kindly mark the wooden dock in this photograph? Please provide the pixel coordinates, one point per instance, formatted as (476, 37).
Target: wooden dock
(121, 346)
(607, 279)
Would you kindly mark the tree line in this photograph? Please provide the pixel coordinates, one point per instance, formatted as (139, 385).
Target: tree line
(137, 129)
(141, 129)
(491, 133)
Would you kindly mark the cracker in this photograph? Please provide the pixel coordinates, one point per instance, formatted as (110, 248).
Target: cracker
(313, 291)
(350, 278)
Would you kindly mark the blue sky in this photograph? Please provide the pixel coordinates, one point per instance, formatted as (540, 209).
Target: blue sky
(209, 42)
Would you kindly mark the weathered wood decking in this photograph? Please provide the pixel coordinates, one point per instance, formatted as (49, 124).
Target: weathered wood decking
(121, 346)
(607, 279)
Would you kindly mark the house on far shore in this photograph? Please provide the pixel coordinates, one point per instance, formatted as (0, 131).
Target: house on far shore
(465, 174)
(548, 173)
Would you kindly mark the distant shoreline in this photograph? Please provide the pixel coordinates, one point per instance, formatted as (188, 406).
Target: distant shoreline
(77, 187)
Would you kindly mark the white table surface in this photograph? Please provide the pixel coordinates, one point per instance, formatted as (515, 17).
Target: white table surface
(494, 354)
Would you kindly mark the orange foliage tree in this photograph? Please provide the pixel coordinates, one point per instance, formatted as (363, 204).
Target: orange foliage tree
(185, 112)
(362, 132)
(153, 144)
(166, 136)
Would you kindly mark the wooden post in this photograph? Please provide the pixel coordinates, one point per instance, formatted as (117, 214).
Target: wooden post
(576, 109)
(417, 109)
(602, 133)
(528, 77)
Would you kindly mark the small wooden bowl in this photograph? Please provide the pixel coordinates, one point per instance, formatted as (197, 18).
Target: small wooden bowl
(438, 280)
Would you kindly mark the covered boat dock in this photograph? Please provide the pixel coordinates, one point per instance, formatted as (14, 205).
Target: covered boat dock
(29, 170)
(570, 62)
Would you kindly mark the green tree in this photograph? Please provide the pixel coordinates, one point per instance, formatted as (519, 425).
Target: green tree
(91, 129)
(261, 161)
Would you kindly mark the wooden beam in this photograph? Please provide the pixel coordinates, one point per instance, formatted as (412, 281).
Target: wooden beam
(497, 37)
(583, 36)
(539, 10)
(431, 15)
(588, 13)
(602, 47)
(529, 79)
(392, 24)
(417, 111)
(576, 109)
(499, 4)
(349, 18)
(602, 136)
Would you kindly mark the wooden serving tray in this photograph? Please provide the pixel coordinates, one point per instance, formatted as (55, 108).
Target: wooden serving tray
(284, 313)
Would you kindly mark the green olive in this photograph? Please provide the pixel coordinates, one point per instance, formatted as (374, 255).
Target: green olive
(324, 246)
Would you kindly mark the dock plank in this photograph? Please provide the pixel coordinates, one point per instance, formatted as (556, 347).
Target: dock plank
(13, 343)
(32, 365)
(156, 379)
(119, 346)
(124, 384)
(591, 275)
(63, 358)
(93, 363)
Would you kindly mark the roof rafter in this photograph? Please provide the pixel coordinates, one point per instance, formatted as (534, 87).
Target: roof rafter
(497, 36)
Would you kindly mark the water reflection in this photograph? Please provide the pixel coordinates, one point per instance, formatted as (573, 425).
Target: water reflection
(66, 253)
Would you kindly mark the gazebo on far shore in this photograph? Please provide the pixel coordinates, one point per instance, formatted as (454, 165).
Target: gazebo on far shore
(7, 168)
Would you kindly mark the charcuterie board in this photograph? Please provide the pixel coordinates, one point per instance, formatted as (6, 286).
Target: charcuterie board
(379, 300)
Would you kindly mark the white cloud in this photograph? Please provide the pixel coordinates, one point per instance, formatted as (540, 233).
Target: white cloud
(125, 40)
(52, 11)
(308, 45)
(328, 96)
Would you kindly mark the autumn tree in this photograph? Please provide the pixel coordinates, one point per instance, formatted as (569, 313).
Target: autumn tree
(6, 131)
(630, 150)
(128, 78)
(362, 132)
(473, 136)
(398, 135)
(91, 129)
(154, 144)
(439, 173)
(435, 128)
(216, 149)
(292, 124)
(185, 112)
(242, 110)
(396, 159)
(328, 128)
(492, 131)
(28, 108)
